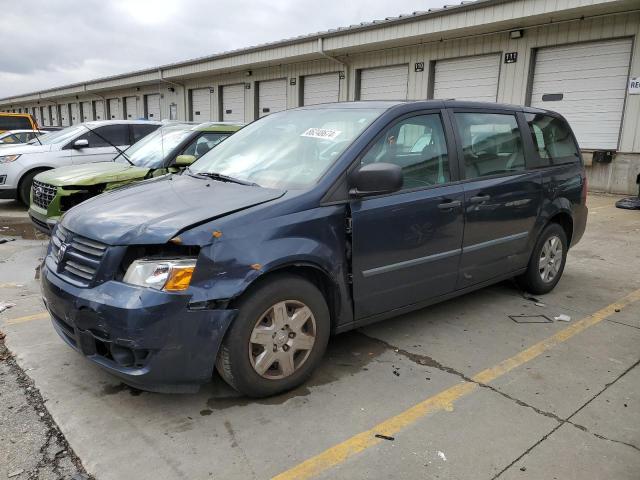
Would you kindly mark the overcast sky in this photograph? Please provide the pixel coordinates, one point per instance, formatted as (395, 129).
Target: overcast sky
(52, 43)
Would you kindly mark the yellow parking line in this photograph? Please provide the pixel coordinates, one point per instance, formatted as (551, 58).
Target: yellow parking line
(444, 400)
(27, 318)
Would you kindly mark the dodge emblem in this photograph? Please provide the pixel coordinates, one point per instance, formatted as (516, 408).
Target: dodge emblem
(61, 252)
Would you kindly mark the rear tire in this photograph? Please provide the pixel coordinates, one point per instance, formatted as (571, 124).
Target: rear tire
(278, 338)
(24, 190)
(547, 261)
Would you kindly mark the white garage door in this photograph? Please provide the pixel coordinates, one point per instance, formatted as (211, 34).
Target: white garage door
(201, 105)
(233, 103)
(587, 84)
(75, 113)
(152, 107)
(468, 78)
(321, 89)
(87, 111)
(38, 115)
(46, 119)
(131, 107)
(64, 115)
(272, 96)
(114, 109)
(386, 83)
(98, 106)
(55, 119)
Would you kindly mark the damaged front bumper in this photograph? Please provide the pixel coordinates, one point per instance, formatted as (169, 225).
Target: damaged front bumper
(150, 339)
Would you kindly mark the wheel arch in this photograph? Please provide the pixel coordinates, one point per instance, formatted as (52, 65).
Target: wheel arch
(564, 219)
(312, 272)
(35, 170)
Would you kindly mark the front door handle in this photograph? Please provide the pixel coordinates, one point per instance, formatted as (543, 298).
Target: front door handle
(479, 199)
(449, 204)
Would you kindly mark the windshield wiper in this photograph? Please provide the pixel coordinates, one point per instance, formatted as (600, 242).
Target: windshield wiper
(223, 178)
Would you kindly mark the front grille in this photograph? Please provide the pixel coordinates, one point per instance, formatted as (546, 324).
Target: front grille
(43, 193)
(81, 258)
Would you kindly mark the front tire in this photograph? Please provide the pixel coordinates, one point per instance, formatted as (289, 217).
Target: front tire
(547, 261)
(278, 338)
(24, 190)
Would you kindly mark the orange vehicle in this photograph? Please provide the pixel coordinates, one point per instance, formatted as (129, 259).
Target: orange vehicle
(17, 121)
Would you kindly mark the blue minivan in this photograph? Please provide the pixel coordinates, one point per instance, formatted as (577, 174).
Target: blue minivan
(307, 223)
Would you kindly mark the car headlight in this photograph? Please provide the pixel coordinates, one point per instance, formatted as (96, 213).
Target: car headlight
(8, 158)
(171, 275)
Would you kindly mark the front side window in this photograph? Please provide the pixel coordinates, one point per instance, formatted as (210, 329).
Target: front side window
(491, 144)
(552, 139)
(204, 143)
(107, 136)
(417, 145)
(289, 149)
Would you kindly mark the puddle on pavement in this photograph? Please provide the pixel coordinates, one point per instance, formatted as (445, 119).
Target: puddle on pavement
(347, 354)
(19, 227)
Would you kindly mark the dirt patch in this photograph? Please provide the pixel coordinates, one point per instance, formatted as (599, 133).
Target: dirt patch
(20, 227)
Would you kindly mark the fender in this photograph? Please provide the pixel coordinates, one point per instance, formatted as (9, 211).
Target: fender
(240, 253)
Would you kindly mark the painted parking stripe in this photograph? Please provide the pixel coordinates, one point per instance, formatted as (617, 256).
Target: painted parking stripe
(27, 318)
(445, 399)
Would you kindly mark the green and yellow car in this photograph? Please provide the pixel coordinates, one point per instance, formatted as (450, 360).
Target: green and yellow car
(168, 149)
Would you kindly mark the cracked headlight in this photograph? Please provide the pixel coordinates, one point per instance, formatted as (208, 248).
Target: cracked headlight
(171, 275)
(8, 158)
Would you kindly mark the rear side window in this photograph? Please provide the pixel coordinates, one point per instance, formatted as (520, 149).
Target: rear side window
(491, 144)
(107, 136)
(14, 123)
(417, 145)
(141, 131)
(552, 139)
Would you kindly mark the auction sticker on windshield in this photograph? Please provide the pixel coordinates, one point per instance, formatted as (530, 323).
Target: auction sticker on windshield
(324, 133)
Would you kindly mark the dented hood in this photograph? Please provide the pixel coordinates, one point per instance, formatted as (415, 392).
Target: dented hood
(92, 174)
(154, 211)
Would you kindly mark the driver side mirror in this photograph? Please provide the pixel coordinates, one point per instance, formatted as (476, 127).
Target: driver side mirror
(82, 143)
(184, 160)
(376, 179)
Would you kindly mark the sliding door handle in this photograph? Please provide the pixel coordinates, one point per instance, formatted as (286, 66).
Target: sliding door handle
(449, 204)
(479, 199)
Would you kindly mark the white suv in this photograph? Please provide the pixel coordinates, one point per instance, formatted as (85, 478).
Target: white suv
(82, 143)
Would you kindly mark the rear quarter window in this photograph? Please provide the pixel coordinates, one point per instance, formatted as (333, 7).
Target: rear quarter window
(552, 139)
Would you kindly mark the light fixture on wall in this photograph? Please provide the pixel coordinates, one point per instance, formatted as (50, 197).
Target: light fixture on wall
(513, 34)
(171, 89)
(248, 73)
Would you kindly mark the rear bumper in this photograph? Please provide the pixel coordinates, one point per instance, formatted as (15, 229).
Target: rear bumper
(150, 340)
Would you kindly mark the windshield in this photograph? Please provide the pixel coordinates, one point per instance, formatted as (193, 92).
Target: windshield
(59, 136)
(152, 150)
(289, 149)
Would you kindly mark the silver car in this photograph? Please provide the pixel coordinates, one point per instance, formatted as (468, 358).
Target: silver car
(87, 142)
